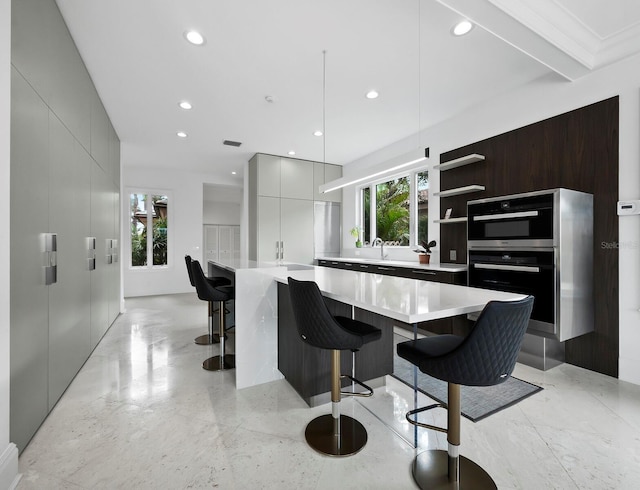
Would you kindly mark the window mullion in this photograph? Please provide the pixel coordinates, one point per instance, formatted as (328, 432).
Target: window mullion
(149, 230)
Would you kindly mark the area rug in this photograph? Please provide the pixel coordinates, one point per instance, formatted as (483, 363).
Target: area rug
(477, 402)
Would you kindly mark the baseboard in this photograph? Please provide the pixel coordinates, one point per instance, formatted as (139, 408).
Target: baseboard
(9, 476)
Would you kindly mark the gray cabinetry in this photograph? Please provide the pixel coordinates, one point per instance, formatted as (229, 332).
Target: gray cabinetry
(65, 159)
(281, 212)
(70, 296)
(29, 295)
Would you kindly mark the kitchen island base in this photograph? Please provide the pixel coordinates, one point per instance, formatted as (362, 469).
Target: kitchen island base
(307, 368)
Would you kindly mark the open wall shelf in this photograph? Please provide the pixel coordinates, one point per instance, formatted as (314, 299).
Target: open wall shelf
(459, 162)
(460, 219)
(460, 190)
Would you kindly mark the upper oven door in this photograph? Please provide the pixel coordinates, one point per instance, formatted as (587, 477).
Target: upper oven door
(523, 221)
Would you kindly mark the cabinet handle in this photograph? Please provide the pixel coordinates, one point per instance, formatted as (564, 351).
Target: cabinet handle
(364, 266)
(348, 264)
(334, 263)
(501, 267)
(380, 268)
(281, 250)
(426, 273)
(277, 250)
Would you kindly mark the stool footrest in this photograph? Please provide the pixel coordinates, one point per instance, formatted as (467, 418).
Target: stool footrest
(369, 391)
(424, 409)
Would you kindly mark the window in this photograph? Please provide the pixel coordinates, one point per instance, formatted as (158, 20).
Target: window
(397, 210)
(149, 218)
(392, 211)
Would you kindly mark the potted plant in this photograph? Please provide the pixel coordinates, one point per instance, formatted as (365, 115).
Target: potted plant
(355, 233)
(424, 251)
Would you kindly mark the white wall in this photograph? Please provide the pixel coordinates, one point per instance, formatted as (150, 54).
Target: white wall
(185, 221)
(8, 450)
(221, 213)
(539, 100)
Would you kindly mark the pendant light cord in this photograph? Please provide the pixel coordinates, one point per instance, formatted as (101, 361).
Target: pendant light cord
(324, 106)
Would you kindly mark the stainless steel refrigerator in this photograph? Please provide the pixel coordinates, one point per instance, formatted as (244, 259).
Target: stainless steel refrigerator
(326, 229)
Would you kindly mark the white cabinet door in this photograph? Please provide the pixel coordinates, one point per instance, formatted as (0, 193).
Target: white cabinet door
(210, 242)
(268, 170)
(268, 228)
(225, 242)
(296, 179)
(296, 224)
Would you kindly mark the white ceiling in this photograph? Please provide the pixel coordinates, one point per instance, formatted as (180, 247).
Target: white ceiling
(142, 67)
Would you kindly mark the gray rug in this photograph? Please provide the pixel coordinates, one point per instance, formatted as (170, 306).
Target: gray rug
(477, 402)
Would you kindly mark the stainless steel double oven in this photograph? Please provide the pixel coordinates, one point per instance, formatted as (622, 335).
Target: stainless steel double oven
(538, 243)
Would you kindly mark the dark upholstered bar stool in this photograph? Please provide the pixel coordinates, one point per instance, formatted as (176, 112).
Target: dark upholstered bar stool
(335, 434)
(211, 337)
(221, 294)
(485, 357)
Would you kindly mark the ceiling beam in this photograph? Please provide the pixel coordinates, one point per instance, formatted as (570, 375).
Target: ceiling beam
(570, 61)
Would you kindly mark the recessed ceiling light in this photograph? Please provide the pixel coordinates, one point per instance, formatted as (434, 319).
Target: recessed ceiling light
(462, 28)
(317, 133)
(185, 105)
(372, 94)
(234, 172)
(194, 37)
(181, 134)
(291, 153)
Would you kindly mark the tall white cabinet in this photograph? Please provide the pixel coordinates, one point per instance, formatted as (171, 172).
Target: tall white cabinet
(65, 177)
(281, 211)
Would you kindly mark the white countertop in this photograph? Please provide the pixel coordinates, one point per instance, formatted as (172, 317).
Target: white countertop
(399, 263)
(406, 300)
(243, 264)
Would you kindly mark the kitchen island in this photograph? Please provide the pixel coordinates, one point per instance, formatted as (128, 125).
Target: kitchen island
(387, 298)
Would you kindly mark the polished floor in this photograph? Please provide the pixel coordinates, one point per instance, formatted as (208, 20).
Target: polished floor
(142, 413)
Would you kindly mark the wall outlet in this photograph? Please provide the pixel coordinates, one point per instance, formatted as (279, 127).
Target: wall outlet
(453, 255)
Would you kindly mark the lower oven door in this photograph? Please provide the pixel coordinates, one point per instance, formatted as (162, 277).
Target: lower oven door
(530, 272)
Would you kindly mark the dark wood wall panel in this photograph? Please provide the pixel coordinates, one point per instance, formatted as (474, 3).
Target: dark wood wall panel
(576, 150)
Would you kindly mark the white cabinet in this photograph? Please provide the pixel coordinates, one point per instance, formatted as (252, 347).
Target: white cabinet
(221, 242)
(268, 229)
(296, 230)
(283, 177)
(281, 212)
(296, 179)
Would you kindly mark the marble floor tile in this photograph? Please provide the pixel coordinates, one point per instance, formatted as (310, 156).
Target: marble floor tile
(142, 413)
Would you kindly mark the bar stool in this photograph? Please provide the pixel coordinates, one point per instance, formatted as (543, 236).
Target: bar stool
(485, 357)
(208, 338)
(333, 434)
(220, 294)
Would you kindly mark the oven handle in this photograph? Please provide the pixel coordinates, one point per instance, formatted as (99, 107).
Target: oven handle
(501, 267)
(490, 217)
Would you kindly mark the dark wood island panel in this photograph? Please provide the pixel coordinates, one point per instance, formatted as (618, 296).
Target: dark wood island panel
(307, 368)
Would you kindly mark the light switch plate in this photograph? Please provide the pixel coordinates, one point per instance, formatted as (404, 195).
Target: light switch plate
(453, 255)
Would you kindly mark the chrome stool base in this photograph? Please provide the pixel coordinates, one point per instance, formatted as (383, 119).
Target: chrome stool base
(213, 363)
(430, 470)
(207, 339)
(322, 436)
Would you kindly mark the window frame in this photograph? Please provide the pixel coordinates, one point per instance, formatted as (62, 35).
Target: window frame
(148, 193)
(413, 205)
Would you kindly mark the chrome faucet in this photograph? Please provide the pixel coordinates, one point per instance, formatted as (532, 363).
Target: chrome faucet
(375, 242)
